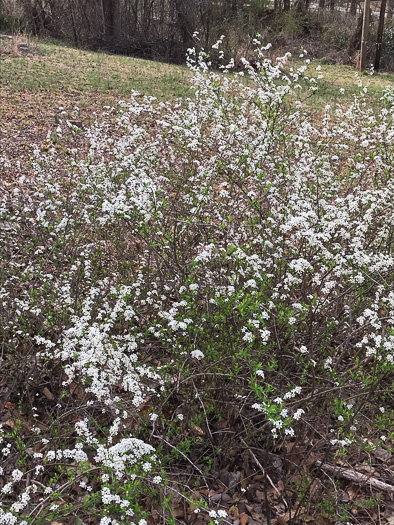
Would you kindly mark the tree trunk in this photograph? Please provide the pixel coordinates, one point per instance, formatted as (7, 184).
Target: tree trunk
(185, 22)
(356, 38)
(109, 20)
(353, 7)
(74, 28)
(365, 35)
(322, 4)
(380, 35)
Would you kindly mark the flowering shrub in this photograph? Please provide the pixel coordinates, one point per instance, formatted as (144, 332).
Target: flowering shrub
(222, 258)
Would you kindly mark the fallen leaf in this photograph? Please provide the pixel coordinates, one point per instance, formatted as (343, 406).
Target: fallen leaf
(260, 495)
(306, 518)
(315, 486)
(197, 431)
(48, 394)
(243, 519)
(352, 493)
(178, 511)
(258, 477)
(382, 454)
(289, 446)
(289, 514)
(234, 478)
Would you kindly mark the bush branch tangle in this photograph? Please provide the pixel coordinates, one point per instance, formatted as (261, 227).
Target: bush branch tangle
(225, 259)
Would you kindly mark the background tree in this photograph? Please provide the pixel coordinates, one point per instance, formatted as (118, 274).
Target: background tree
(380, 35)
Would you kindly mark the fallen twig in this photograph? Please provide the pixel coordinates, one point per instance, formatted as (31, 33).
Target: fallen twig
(356, 477)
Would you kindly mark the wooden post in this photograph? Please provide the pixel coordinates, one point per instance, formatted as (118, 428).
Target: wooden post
(380, 35)
(364, 35)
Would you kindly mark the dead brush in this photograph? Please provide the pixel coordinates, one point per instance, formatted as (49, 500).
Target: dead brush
(21, 44)
(5, 44)
(17, 44)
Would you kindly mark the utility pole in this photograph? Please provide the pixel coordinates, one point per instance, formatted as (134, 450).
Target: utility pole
(380, 35)
(364, 35)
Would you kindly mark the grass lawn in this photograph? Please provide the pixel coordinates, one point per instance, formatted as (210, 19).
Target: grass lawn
(56, 74)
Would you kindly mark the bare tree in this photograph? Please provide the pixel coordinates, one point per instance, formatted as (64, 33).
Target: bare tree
(380, 35)
(353, 7)
(365, 35)
(108, 7)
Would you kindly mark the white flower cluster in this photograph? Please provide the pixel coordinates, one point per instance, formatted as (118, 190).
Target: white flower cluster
(216, 233)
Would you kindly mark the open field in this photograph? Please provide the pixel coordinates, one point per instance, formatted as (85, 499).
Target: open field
(196, 293)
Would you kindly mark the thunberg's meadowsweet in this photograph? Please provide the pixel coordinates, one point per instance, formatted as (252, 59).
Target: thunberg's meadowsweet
(230, 250)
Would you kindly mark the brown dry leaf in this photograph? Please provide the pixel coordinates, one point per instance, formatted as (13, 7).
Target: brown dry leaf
(243, 519)
(197, 431)
(258, 477)
(9, 405)
(76, 390)
(154, 517)
(306, 518)
(343, 496)
(260, 495)
(316, 484)
(382, 454)
(256, 511)
(48, 394)
(289, 446)
(290, 513)
(202, 519)
(352, 493)
(204, 491)
(10, 423)
(178, 511)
